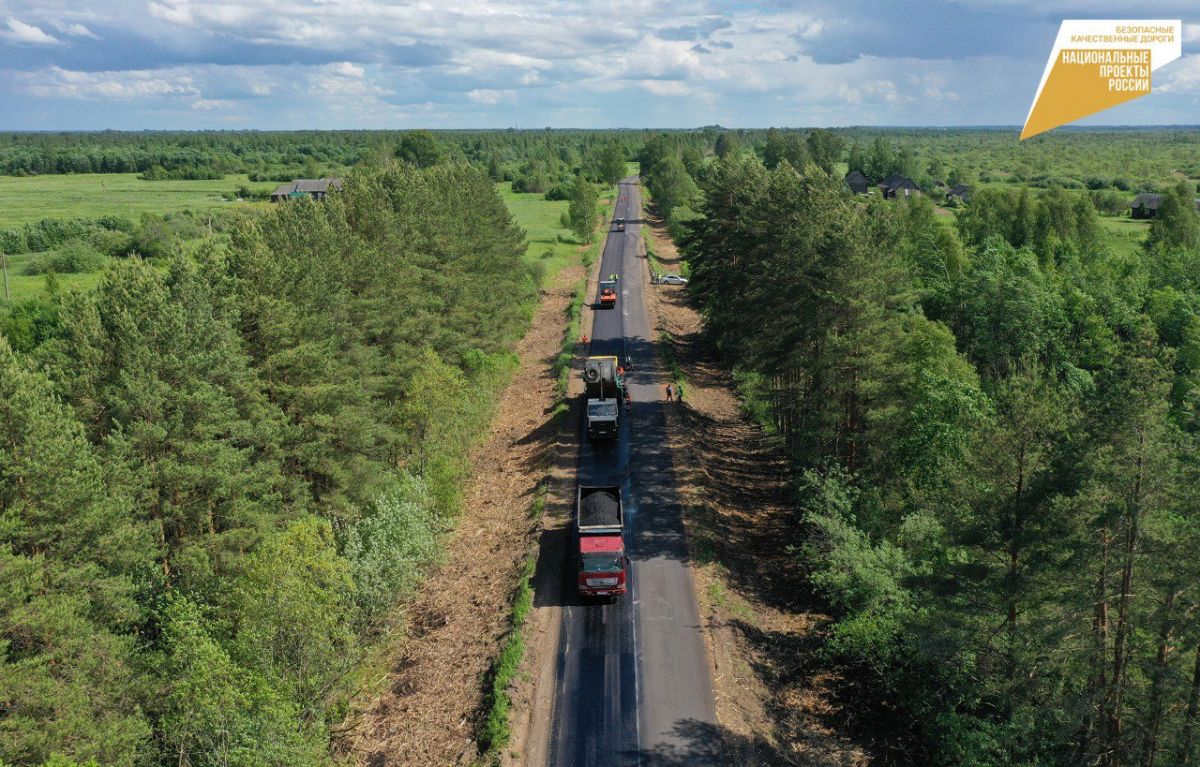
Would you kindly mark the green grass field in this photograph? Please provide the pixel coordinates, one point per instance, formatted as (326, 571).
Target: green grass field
(1124, 235)
(90, 195)
(548, 241)
(22, 287)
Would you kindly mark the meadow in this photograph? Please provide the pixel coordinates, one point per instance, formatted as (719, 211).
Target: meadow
(91, 195)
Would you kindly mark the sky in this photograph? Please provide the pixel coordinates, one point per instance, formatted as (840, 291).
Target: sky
(298, 64)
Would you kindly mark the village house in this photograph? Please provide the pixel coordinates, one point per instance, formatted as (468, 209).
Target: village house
(959, 193)
(315, 188)
(858, 183)
(1147, 205)
(897, 185)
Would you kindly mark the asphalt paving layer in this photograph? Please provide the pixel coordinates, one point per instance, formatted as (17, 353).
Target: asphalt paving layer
(632, 679)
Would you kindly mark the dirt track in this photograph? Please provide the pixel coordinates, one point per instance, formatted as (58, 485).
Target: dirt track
(428, 713)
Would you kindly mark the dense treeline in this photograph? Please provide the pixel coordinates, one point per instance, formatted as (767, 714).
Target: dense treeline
(217, 477)
(539, 158)
(995, 431)
(1088, 158)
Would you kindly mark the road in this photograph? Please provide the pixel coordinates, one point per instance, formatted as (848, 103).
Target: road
(632, 679)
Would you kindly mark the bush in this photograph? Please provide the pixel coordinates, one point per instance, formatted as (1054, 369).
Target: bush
(388, 548)
(75, 257)
(111, 242)
(185, 173)
(154, 238)
(12, 241)
(677, 220)
(117, 224)
(559, 191)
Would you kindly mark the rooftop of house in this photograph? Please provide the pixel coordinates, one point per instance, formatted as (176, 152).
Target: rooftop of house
(307, 186)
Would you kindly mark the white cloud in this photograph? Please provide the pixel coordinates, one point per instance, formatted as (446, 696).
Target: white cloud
(666, 87)
(73, 30)
(208, 105)
(491, 97)
(20, 32)
(173, 11)
(1182, 76)
(1191, 33)
(57, 82)
(347, 69)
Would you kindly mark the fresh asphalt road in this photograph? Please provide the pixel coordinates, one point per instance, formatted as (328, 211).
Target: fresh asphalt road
(633, 685)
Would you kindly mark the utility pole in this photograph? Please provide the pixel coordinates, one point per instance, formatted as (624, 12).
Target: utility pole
(4, 268)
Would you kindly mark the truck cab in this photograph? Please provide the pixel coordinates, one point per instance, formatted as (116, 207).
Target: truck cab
(602, 418)
(601, 565)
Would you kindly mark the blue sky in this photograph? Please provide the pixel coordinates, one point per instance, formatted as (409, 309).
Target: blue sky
(269, 64)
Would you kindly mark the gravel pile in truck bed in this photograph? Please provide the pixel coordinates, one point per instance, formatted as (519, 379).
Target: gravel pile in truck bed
(601, 509)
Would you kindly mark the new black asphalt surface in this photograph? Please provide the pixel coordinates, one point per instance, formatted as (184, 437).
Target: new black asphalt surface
(633, 684)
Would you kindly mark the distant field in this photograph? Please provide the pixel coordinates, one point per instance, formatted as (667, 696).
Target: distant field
(24, 199)
(540, 219)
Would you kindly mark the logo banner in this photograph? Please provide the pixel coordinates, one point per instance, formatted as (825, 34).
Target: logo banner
(1095, 65)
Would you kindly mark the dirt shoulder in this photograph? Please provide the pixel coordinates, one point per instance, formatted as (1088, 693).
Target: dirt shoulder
(776, 704)
(429, 710)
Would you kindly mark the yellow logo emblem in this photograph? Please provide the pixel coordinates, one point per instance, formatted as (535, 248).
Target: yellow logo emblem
(1095, 65)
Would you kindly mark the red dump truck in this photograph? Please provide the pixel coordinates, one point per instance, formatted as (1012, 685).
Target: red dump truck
(599, 522)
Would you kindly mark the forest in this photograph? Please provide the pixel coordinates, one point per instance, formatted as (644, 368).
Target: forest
(219, 471)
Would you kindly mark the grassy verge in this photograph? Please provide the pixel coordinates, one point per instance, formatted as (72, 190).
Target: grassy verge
(656, 267)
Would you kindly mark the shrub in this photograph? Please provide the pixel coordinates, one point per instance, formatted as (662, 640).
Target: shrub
(559, 191)
(75, 257)
(388, 548)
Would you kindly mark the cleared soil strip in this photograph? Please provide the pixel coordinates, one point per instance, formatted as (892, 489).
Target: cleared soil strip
(428, 713)
(775, 702)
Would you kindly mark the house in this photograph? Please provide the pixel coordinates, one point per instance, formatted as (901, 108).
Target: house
(959, 193)
(315, 188)
(858, 183)
(1147, 205)
(898, 185)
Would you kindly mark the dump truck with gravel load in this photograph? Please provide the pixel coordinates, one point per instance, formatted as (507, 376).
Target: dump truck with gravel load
(599, 529)
(604, 386)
